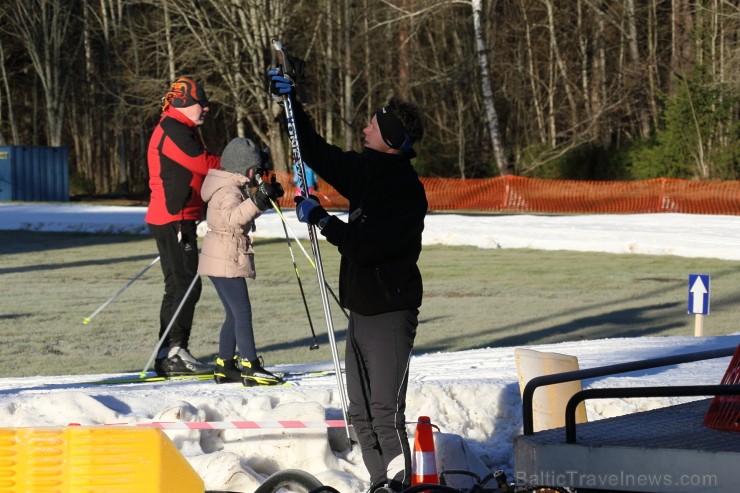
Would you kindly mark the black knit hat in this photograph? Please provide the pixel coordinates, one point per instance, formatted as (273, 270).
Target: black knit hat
(240, 155)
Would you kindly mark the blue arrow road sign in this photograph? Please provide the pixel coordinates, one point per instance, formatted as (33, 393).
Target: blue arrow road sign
(698, 294)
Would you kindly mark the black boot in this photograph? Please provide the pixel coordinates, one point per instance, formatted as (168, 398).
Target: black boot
(226, 371)
(253, 374)
(180, 362)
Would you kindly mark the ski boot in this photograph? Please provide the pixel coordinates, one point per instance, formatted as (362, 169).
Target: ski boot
(254, 374)
(227, 371)
(180, 362)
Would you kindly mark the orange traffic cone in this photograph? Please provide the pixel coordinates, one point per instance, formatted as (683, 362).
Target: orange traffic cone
(424, 462)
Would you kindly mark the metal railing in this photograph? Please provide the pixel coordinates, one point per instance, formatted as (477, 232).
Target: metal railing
(535, 383)
(669, 391)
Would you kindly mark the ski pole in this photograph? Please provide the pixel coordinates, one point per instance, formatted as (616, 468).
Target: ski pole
(310, 260)
(86, 320)
(315, 344)
(169, 326)
(295, 236)
(295, 146)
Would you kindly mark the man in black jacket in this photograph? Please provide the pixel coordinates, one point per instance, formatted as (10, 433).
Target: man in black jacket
(379, 281)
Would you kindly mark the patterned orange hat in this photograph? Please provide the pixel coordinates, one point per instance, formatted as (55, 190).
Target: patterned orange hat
(184, 92)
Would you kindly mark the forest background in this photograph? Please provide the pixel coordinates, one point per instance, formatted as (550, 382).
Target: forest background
(577, 89)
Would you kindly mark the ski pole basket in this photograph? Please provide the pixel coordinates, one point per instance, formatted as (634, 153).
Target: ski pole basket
(724, 411)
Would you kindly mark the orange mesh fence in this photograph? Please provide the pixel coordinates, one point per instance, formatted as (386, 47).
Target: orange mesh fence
(530, 195)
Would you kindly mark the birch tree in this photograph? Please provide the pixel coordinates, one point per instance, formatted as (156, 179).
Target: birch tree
(486, 87)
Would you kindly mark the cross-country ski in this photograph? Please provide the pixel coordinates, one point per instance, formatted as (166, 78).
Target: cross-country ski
(291, 376)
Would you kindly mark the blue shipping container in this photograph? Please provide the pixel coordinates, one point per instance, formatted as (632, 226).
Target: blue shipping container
(34, 174)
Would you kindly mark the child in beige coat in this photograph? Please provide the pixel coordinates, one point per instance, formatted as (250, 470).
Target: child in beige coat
(227, 257)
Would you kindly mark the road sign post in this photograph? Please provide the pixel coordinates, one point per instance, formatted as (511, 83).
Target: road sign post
(698, 300)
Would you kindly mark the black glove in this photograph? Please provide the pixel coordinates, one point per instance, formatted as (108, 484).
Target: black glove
(309, 210)
(267, 192)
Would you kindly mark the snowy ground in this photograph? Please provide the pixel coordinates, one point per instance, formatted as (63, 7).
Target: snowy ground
(472, 394)
(685, 235)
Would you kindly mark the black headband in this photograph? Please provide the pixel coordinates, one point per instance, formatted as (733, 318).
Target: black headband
(392, 130)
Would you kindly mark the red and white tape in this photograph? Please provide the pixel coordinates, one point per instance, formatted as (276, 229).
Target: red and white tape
(236, 425)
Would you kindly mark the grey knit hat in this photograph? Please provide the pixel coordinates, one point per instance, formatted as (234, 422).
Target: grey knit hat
(240, 155)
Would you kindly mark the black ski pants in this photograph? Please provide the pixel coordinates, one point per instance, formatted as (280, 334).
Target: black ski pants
(177, 243)
(378, 353)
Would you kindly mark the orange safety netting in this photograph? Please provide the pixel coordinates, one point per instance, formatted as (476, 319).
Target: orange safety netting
(531, 195)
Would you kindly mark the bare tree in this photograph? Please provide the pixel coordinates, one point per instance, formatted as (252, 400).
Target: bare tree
(652, 61)
(235, 40)
(532, 76)
(488, 102)
(168, 41)
(682, 26)
(348, 110)
(9, 100)
(45, 30)
(329, 67)
(563, 78)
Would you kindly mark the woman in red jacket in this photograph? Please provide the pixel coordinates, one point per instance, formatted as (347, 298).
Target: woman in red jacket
(178, 162)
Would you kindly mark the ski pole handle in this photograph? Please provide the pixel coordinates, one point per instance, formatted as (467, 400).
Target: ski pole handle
(291, 68)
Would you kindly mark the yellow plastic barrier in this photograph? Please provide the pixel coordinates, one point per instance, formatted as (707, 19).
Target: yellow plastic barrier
(93, 459)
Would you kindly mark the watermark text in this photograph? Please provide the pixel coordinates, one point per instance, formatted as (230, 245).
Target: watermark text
(616, 480)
